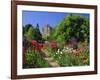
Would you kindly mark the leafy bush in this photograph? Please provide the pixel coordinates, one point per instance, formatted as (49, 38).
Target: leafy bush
(72, 26)
(35, 60)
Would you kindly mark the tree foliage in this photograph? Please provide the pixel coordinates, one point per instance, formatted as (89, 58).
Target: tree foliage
(72, 26)
(32, 33)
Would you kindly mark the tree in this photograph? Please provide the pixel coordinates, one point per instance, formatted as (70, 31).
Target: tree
(26, 27)
(37, 34)
(29, 34)
(72, 26)
(32, 33)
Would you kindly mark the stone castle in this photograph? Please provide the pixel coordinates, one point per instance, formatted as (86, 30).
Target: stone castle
(46, 30)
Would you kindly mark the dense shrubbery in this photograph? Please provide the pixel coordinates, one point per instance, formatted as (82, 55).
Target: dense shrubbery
(72, 26)
(34, 60)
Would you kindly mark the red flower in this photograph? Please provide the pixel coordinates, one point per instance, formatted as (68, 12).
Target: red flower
(37, 46)
(34, 42)
(40, 46)
(53, 44)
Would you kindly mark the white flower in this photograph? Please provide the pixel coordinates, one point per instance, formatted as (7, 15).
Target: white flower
(59, 57)
(71, 48)
(63, 49)
(56, 53)
(58, 50)
(61, 53)
(67, 48)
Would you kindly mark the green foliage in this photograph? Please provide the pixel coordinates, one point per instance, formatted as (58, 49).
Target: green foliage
(36, 34)
(32, 33)
(72, 26)
(34, 60)
(26, 28)
(29, 34)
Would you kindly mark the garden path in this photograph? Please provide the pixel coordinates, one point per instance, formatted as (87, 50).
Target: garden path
(50, 59)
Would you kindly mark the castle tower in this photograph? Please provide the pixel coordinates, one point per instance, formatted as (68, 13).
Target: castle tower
(46, 30)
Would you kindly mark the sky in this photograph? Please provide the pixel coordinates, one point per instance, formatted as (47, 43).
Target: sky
(43, 18)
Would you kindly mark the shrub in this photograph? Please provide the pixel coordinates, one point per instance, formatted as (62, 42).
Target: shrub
(35, 60)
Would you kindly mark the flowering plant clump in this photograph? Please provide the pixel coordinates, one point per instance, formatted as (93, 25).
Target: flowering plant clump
(37, 46)
(53, 45)
(34, 60)
(72, 42)
(67, 49)
(40, 46)
(34, 42)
